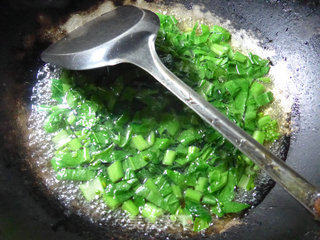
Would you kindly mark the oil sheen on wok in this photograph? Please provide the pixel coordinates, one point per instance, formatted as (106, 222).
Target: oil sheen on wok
(139, 149)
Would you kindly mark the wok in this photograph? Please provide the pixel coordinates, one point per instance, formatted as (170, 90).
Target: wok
(291, 28)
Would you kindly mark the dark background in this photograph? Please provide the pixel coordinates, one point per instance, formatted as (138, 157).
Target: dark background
(292, 28)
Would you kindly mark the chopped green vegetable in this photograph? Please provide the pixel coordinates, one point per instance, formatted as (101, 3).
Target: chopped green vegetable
(169, 157)
(269, 127)
(139, 143)
(207, 199)
(140, 149)
(200, 224)
(115, 171)
(61, 139)
(234, 207)
(130, 207)
(92, 188)
(79, 174)
(259, 136)
(201, 184)
(176, 191)
(111, 201)
(151, 212)
(193, 195)
(188, 136)
(220, 49)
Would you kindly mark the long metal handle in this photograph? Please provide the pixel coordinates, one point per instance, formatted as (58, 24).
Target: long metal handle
(307, 194)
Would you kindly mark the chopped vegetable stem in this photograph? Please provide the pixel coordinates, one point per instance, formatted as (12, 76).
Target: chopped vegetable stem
(135, 146)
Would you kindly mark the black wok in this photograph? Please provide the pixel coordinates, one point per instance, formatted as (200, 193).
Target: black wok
(292, 28)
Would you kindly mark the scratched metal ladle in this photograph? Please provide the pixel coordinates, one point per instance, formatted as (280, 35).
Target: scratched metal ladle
(127, 34)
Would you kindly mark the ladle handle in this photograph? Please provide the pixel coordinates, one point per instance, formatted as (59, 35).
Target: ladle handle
(278, 170)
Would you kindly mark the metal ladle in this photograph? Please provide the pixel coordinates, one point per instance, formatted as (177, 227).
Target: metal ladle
(128, 34)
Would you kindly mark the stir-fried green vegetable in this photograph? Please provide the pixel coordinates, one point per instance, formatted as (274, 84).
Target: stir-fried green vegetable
(131, 146)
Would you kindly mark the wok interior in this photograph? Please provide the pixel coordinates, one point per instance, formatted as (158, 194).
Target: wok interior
(68, 194)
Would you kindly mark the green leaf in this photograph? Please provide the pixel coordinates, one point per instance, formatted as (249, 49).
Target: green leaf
(234, 207)
(57, 90)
